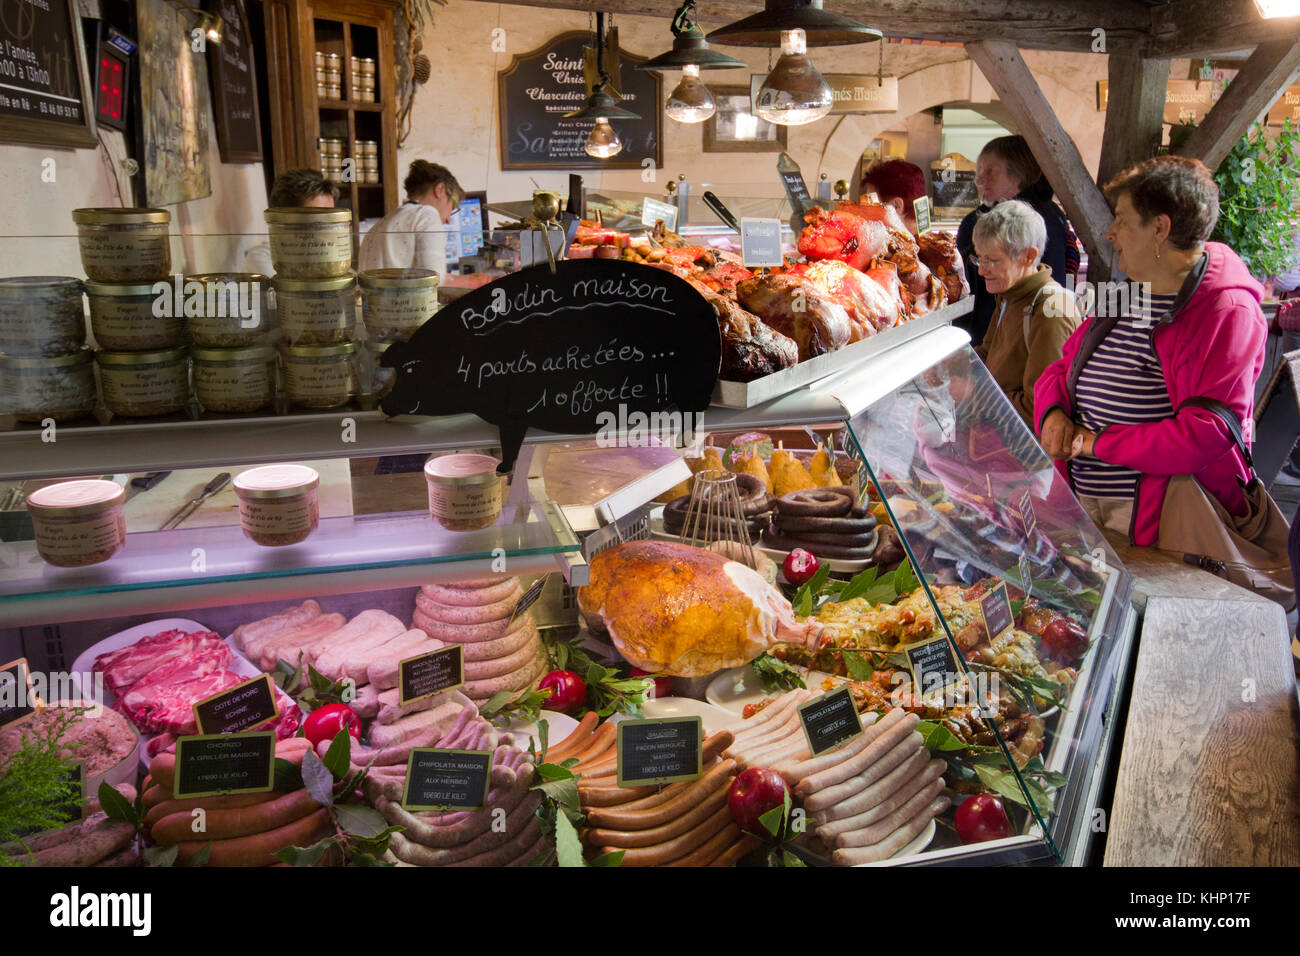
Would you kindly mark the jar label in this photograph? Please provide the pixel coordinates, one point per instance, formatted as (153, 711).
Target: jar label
(82, 537)
(126, 389)
(318, 383)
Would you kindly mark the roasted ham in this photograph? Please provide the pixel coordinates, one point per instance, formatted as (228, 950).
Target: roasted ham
(796, 308)
(871, 305)
(750, 347)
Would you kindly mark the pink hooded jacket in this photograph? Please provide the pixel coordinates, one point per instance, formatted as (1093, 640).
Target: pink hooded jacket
(1211, 345)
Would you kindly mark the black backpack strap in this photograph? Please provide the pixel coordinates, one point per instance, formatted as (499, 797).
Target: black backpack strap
(1229, 418)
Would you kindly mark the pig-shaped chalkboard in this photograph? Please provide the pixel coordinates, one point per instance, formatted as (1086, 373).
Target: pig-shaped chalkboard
(561, 352)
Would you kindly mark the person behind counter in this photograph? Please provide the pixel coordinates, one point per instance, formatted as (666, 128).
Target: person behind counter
(1112, 410)
(293, 187)
(1033, 316)
(413, 236)
(1006, 169)
(898, 183)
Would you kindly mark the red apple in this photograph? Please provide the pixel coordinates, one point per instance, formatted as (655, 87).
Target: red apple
(663, 686)
(753, 793)
(568, 690)
(1063, 640)
(982, 818)
(799, 566)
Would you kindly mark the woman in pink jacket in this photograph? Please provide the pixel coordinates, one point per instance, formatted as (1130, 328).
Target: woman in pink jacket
(1113, 411)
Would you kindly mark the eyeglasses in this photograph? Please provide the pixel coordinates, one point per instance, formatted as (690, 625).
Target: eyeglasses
(993, 262)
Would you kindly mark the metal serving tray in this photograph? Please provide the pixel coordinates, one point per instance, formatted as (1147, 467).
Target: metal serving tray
(749, 394)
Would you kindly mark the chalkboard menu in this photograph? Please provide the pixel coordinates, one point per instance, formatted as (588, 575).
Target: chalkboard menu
(996, 610)
(224, 763)
(955, 193)
(427, 674)
(44, 93)
(447, 779)
(234, 86)
(539, 87)
(16, 702)
(829, 720)
(933, 657)
(659, 750)
(242, 707)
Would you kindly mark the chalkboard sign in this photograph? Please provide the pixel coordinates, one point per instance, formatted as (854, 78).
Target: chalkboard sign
(829, 720)
(44, 90)
(447, 779)
(659, 750)
(954, 191)
(241, 707)
(567, 352)
(996, 609)
(234, 86)
(529, 597)
(431, 673)
(796, 190)
(921, 209)
(224, 763)
(931, 657)
(540, 86)
(16, 701)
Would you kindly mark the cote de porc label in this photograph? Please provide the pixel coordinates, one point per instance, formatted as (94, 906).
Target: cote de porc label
(577, 351)
(211, 764)
(242, 707)
(659, 750)
(829, 720)
(447, 779)
(427, 674)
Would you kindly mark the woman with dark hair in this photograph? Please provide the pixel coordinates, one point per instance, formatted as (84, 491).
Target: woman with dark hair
(897, 183)
(413, 236)
(1006, 169)
(1122, 411)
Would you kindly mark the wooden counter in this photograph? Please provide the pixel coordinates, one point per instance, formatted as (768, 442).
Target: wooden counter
(1208, 774)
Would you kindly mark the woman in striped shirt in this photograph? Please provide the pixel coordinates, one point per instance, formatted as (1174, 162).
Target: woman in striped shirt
(1114, 410)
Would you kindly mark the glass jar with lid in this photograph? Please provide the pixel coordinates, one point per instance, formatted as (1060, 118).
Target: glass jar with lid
(229, 309)
(41, 315)
(396, 302)
(124, 245)
(60, 387)
(316, 311)
(135, 317)
(234, 380)
(310, 242)
(318, 376)
(140, 384)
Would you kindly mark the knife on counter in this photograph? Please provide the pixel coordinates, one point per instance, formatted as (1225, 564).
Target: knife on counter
(187, 509)
(721, 210)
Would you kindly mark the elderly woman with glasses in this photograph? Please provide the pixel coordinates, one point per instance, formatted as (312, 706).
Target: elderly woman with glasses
(1032, 315)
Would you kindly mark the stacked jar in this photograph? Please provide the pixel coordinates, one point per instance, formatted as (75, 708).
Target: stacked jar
(331, 159)
(363, 79)
(315, 294)
(45, 370)
(234, 365)
(137, 314)
(329, 75)
(367, 154)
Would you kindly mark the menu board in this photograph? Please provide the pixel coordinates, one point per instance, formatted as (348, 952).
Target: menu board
(539, 87)
(234, 86)
(44, 93)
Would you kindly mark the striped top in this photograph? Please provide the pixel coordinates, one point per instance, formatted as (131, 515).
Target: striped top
(1121, 384)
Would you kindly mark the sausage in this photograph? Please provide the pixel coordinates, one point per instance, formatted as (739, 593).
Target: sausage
(929, 772)
(366, 631)
(267, 626)
(708, 851)
(420, 855)
(356, 660)
(384, 735)
(872, 796)
(366, 703)
(875, 832)
(454, 732)
(800, 769)
(559, 750)
(605, 736)
(792, 747)
(479, 670)
(733, 853)
(894, 842)
(677, 847)
(824, 799)
(715, 745)
(853, 764)
(127, 856)
(484, 689)
(466, 614)
(508, 790)
(293, 639)
(469, 633)
(459, 596)
(531, 853)
(385, 670)
(676, 826)
(780, 730)
(391, 708)
(257, 849)
(95, 839)
(761, 723)
(234, 801)
(498, 647)
(657, 814)
(505, 852)
(615, 796)
(241, 821)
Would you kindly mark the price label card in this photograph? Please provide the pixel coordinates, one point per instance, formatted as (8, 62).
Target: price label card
(427, 674)
(17, 702)
(996, 609)
(829, 720)
(760, 243)
(529, 597)
(447, 779)
(241, 707)
(659, 750)
(1024, 509)
(935, 656)
(653, 210)
(211, 764)
(921, 206)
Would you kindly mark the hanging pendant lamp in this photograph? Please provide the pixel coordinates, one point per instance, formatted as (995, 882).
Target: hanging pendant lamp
(820, 27)
(603, 141)
(690, 47)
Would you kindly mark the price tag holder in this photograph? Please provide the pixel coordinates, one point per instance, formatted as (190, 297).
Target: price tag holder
(529, 597)
(995, 607)
(829, 720)
(1024, 509)
(17, 702)
(239, 708)
(921, 207)
(427, 674)
(212, 764)
(760, 243)
(653, 210)
(934, 656)
(447, 779)
(659, 750)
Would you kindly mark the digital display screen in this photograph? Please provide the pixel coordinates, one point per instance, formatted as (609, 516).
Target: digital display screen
(110, 95)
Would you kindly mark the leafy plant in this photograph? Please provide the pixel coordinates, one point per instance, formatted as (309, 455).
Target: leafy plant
(320, 690)
(781, 827)
(776, 674)
(609, 689)
(35, 786)
(560, 811)
(507, 705)
(868, 585)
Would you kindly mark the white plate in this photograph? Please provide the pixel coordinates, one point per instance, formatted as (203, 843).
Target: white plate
(85, 662)
(712, 718)
(736, 688)
(558, 726)
(923, 840)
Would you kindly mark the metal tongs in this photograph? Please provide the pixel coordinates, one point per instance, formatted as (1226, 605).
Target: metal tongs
(191, 506)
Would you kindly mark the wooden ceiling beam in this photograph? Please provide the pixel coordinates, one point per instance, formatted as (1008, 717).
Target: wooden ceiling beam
(1134, 111)
(1201, 28)
(1262, 79)
(1008, 74)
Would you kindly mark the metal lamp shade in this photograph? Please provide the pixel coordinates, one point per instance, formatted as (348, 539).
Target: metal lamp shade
(822, 27)
(601, 104)
(690, 49)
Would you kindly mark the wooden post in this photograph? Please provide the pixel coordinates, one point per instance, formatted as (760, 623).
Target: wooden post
(1006, 71)
(1134, 111)
(1264, 77)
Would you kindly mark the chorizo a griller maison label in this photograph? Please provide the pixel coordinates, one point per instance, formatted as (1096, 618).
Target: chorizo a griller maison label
(213, 764)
